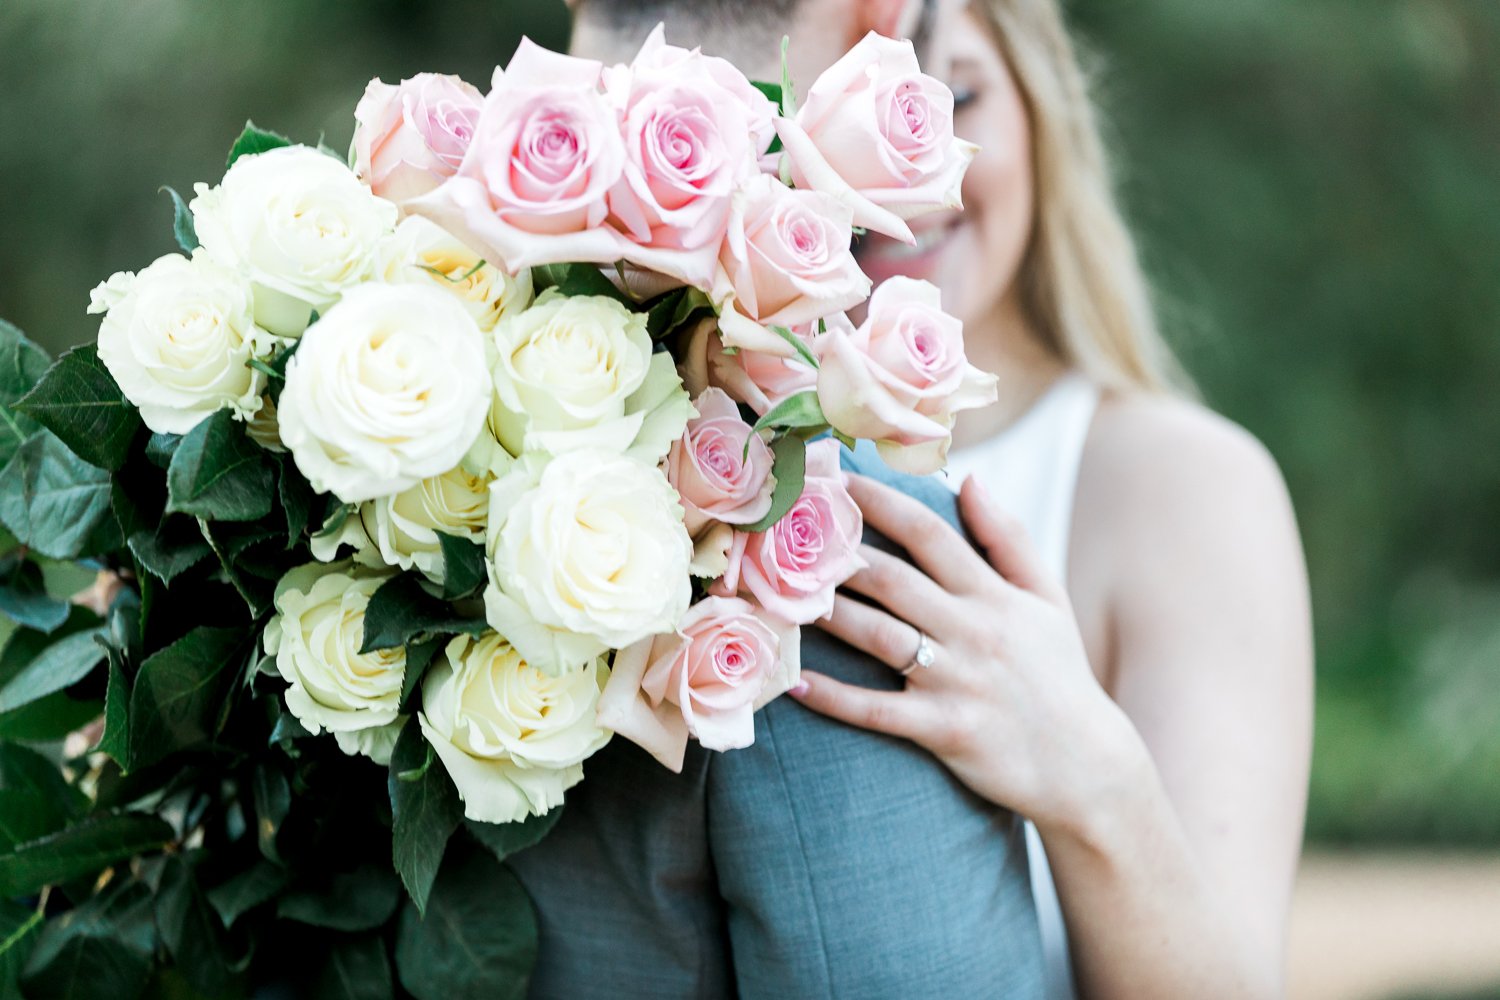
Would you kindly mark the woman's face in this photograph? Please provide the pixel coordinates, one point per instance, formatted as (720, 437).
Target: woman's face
(971, 255)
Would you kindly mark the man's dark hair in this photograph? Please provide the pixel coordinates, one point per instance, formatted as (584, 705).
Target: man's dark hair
(633, 14)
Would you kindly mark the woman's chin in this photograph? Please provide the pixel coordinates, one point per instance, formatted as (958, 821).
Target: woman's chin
(882, 257)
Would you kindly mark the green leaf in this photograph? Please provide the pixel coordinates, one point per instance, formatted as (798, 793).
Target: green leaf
(24, 598)
(22, 363)
(115, 740)
(288, 727)
(24, 772)
(175, 547)
(77, 399)
(675, 309)
(789, 466)
(102, 949)
(230, 546)
(273, 799)
(61, 664)
(49, 718)
(478, 937)
(247, 890)
(771, 90)
(418, 656)
(578, 279)
(219, 474)
(51, 499)
(178, 693)
(191, 929)
(161, 447)
(297, 497)
(788, 89)
(400, 609)
(25, 815)
(83, 849)
(19, 927)
(801, 410)
(424, 814)
(799, 346)
(463, 565)
(504, 839)
(358, 900)
(356, 969)
(182, 221)
(255, 140)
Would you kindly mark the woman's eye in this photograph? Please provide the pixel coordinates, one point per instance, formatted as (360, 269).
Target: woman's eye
(963, 97)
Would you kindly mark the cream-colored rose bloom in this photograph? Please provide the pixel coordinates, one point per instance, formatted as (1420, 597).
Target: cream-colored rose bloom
(298, 224)
(587, 552)
(387, 389)
(422, 252)
(178, 337)
(578, 372)
(315, 636)
(511, 737)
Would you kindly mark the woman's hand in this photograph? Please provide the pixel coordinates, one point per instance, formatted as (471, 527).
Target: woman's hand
(1010, 703)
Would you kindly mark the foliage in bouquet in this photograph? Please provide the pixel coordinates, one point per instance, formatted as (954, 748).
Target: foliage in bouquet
(413, 480)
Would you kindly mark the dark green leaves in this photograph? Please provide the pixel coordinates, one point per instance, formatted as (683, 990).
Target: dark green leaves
(83, 849)
(182, 222)
(179, 693)
(424, 813)
(19, 927)
(401, 609)
(247, 890)
(673, 310)
(192, 931)
(77, 399)
(21, 365)
(463, 565)
(344, 901)
(356, 969)
(505, 839)
(578, 279)
(23, 595)
(51, 499)
(478, 937)
(796, 342)
(102, 949)
(789, 466)
(794, 413)
(65, 662)
(218, 473)
(176, 546)
(255, 140)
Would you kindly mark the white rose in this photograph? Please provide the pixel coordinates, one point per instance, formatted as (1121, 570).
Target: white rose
(587, 553)
(578, 372)
(298, 224)
(315, 636)
(511, 737)
(423, 252)
(178, 337)
(401, 530)
(388, 388)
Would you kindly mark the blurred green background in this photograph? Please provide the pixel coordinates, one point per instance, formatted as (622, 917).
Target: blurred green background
(1316, 183)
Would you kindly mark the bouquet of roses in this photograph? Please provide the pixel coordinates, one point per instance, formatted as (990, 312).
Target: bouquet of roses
(517, 430)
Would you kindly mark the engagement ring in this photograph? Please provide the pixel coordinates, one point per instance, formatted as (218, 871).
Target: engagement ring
(922, 657)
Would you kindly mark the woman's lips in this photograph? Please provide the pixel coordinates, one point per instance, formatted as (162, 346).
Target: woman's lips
(881, 257)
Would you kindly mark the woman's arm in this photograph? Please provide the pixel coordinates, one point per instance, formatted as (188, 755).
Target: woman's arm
(1171, 816)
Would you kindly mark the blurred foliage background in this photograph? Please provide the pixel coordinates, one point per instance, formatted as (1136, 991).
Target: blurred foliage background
(1316, 184)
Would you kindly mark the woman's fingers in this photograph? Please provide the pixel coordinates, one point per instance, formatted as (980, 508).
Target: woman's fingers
(905, 591)
(1005, 542)
(934, 543)
(898, 713)
(885, 637)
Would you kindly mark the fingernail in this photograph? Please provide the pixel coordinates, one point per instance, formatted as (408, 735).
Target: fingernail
(984, 494)
(798, 689)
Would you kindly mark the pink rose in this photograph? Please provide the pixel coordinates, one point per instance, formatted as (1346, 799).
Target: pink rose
(877, 134)
(690, 127)
(706, 680)
(411, 137)
(713, 482)
(794, 568)
(785, 262)
(900, 378)
(546, 151)
(754, 378)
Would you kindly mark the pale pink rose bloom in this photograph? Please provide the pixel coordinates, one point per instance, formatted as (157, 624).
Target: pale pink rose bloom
(793, 568)
(713, 482)
(900, 378)
(689, 124)
(754, 378)
(786, 261)
(546, 151)
(412, 136)
(726, 660)
(877, 133)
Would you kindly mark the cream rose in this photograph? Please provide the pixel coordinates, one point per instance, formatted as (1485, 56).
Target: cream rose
(587, 552)
(298, 224)
(578, 372)
(388, 388)
(420, 252)
(511, 737)
(315, 636)
(178, 337)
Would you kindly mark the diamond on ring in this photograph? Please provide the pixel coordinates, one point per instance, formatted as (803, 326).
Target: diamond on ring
(924, 655)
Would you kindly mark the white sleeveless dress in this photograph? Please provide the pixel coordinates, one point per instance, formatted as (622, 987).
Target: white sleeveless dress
(1031, 470)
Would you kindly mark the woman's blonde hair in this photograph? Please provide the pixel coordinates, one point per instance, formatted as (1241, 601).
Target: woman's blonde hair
(1081, 282)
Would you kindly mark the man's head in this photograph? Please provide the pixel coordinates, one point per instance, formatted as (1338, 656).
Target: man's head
(747, 32)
